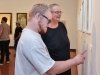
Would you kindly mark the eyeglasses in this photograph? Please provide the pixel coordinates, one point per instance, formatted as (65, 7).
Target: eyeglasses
(58, 12)
(46, 18)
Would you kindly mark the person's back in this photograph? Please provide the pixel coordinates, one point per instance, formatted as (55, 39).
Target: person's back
(5, 33)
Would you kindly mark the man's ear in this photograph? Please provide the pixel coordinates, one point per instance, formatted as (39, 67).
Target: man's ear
(38, 16)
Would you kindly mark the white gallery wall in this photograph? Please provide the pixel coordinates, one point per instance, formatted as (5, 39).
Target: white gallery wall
(83, 43)
(69, 8)
(90, 42)
(96, 37)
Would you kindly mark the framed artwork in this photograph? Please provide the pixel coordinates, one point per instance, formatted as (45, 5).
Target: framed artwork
(9, 21)
(80, 19)
(84, 15)
(22, 18)
(89, 16)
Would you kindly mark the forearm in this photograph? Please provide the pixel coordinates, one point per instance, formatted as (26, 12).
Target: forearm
(61, 66)
(17, 36)
(0, 32)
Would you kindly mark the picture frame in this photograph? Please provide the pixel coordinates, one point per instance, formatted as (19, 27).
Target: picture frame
(9, 19)
(22, 18)
(80, 19)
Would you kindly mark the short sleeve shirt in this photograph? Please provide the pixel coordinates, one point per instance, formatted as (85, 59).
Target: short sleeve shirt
(5, 32)
(1, 27)
(32, 57)
(17, 31)
(58, 45)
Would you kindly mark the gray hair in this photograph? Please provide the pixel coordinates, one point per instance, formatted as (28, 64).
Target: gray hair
(40, 7)
(52, 5)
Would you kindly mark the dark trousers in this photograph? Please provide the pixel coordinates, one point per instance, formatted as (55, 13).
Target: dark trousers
(15, 44)
(4, 49)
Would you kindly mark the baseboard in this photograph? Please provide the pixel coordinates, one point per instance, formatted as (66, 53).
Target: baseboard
(11, 46)
(73, 49)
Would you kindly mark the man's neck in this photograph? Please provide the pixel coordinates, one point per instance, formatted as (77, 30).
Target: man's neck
(32, 27)
(3, 22)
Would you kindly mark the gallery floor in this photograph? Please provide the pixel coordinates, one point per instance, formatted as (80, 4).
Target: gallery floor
(8, 69)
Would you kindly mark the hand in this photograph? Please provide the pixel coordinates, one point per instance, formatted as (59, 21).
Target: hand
(79, 59)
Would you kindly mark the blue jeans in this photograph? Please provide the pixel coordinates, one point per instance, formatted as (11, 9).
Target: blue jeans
(15, 44)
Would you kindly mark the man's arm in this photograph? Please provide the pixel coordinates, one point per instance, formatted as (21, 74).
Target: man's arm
(1, 29)
(0, 32)
(18, 36)
(61, 66)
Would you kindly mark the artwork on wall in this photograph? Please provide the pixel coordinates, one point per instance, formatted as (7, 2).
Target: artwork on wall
(85, 17)
(89, 16)
(22, 18)
(80, 19)
(9, 21)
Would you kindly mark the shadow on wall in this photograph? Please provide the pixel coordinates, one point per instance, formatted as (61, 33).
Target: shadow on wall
(93, 69)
